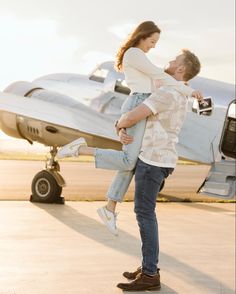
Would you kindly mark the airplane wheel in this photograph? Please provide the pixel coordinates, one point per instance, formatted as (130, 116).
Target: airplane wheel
(45, 188)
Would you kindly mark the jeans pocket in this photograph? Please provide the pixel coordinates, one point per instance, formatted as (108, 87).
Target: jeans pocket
(140, 168)
(167, 171)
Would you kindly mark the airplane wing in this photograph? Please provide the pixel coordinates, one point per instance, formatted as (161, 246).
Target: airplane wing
(80, 118)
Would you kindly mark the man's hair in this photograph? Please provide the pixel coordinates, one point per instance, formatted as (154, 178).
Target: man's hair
(192, 65)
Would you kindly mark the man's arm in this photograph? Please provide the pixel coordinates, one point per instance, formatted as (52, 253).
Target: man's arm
(132, 117)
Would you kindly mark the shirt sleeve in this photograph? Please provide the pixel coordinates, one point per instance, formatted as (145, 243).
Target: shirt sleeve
(160, 101)
(136, 58)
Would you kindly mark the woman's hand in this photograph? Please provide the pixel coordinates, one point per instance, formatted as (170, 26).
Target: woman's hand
(124, 138)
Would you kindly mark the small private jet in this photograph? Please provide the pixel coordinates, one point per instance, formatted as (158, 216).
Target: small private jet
(58, 108)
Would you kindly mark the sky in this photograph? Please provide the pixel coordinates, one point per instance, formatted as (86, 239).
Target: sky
(43, 37)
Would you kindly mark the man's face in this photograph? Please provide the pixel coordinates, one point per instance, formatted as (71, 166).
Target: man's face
(175, 65)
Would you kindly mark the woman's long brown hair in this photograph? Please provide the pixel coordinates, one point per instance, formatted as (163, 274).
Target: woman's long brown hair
(143, 31)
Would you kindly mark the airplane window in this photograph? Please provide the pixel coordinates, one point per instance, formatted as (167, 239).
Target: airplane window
(121, 87)
(99, 75)
(228, 139)
(232, 110)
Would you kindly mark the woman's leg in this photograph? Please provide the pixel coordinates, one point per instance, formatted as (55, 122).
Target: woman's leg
(123, 161)
(118, 160)
(120, 184)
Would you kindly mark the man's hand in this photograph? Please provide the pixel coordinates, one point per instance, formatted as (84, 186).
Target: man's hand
(124, 138)
(197, 95)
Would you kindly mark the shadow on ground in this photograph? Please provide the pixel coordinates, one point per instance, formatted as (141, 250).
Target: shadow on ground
(126, 243)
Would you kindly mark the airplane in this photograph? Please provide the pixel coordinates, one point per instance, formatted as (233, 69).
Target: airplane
(56, 109)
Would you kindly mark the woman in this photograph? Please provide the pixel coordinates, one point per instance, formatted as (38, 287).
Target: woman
(140, 75)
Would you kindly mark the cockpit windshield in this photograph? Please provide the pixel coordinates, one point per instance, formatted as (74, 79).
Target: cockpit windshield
(99, 75)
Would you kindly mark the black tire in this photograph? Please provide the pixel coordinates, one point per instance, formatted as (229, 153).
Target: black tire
(45, 188)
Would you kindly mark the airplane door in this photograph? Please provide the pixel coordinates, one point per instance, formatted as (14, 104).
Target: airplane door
(228, 138)
(221, 179)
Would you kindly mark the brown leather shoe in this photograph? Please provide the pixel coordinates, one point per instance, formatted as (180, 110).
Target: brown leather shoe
(132, 275)
(142, 283)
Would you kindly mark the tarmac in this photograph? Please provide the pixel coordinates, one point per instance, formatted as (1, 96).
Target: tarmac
(65, 249)
(85, 182)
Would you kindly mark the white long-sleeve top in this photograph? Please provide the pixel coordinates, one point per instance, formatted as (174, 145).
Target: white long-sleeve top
(140, 72)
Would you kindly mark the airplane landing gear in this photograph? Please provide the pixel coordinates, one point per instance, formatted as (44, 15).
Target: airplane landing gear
(47, 184)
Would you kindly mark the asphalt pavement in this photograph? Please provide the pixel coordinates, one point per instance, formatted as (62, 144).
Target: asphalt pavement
(65, 249)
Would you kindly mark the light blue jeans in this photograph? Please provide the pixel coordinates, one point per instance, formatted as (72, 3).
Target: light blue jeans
(124, 161)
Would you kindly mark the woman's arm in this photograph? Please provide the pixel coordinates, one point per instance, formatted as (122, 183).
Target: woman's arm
(137, 59)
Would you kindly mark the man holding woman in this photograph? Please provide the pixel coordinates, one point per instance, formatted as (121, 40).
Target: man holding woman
(148, 129)
(142, 78)
(165, 111)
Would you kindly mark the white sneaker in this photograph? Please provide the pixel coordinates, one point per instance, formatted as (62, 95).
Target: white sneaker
(109, 219)
(71, 149)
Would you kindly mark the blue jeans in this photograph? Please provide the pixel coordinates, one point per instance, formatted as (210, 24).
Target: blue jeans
(148, 179)
(124, 161)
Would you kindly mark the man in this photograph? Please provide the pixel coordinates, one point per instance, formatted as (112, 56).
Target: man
(166, 111)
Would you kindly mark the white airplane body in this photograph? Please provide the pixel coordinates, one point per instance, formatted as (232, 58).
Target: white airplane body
(58, 108)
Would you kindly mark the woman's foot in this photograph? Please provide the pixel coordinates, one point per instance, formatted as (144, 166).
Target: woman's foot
(71, 149)
(109, 219)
